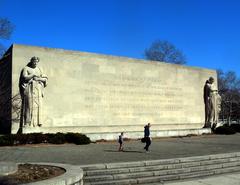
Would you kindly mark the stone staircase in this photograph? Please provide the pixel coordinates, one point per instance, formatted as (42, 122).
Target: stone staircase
(160, 171)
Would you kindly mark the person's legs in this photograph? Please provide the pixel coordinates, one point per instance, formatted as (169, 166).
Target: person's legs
(148, 143)
(120, 147)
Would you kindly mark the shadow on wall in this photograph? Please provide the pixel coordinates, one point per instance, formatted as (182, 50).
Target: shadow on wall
(6, 92)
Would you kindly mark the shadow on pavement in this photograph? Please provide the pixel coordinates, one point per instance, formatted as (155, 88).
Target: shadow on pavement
(127, 151)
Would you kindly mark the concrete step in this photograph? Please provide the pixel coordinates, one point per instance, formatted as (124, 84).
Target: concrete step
(161, 170)
(230, 170)
(162, 179)
(158, 162)
(160, 167)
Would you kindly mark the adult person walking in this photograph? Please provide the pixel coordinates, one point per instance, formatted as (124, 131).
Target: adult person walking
(147, 136)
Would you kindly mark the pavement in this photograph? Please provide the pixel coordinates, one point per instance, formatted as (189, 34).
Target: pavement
(224, 179)
(106, 152)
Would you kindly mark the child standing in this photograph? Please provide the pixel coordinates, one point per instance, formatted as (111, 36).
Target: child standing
(120, 141)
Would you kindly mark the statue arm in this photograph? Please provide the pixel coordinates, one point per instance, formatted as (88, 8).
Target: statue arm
(213, 88)
(41, 79)
(26, 75)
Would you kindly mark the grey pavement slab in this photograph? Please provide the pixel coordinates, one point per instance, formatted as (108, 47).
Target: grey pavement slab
(224, 179)
(163, 148)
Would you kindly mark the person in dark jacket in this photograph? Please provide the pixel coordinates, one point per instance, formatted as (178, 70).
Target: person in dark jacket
(120, 141)
(147, 136)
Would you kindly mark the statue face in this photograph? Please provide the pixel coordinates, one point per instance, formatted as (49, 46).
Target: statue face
(211, 80)
(34, 63)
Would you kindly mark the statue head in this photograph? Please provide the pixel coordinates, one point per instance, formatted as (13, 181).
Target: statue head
(33, 62)
(211, 80)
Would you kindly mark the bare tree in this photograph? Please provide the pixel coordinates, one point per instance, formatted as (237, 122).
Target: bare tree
(229, 89)
(6, 29)
(2, 50)
(164, 51)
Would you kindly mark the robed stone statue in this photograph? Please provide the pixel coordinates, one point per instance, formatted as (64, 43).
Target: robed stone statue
(212, 101)
(32, 82)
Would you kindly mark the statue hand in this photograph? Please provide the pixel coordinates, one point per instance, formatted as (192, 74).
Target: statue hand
(35, 78)
(44, 76)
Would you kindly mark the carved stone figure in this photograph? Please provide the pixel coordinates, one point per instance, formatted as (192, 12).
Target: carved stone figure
(206, 96)
(31, 85)
(212, 102)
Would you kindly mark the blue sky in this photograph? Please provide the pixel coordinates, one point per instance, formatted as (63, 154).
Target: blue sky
(207, 31)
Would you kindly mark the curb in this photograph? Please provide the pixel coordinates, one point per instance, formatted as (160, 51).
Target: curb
(72, 176)
(7, 168)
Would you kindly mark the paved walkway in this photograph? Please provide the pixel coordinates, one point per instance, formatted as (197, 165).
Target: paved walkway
(107, 152)
(163, 148)
(225, 179)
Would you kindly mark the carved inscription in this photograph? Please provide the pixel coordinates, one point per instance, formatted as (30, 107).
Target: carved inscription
(126, 96)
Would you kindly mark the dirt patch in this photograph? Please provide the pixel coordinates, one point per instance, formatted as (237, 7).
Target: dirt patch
(31, 173)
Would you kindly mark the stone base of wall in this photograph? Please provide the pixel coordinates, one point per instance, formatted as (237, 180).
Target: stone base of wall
(154, 134)
(113, 135)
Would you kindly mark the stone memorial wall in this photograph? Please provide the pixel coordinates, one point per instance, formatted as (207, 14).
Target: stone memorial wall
(101, 95)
